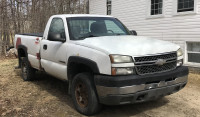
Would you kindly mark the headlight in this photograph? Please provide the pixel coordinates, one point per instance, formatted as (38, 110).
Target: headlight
(121, 59)
(123, 71)
(179, 52)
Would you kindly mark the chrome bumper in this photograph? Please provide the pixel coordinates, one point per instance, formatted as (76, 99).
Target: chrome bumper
(104, 91)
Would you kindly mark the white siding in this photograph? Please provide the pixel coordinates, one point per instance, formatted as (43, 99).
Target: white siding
(97, 7)
(170, 26)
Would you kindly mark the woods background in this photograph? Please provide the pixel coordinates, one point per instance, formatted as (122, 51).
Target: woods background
(30, 16)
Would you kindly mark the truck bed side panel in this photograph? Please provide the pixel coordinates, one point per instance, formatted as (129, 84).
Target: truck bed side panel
(32, 43)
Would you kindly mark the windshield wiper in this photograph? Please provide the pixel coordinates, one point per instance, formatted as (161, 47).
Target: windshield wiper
(118, 34)
(92, 36)
(87, 36)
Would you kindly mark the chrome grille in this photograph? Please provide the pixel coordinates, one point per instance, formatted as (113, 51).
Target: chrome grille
(147, 64)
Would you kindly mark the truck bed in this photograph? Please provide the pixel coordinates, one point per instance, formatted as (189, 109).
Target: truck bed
(31, 42)
(33, 34)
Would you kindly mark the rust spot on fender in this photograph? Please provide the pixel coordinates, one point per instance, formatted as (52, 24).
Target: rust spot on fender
(38, 55)
(37, 41)
(18, 42)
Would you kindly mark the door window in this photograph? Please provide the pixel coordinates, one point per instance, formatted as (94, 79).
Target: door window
(57, 27)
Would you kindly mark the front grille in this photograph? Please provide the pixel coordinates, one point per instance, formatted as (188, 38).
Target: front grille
(147, 64)
(153, 58)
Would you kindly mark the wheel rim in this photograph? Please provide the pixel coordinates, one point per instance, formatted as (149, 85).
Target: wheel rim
(81, 94)
(24, 70)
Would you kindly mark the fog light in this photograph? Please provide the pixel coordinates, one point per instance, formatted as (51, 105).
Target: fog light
(179, 62)
(123, 71)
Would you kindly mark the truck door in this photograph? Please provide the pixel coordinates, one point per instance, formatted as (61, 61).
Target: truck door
(53, 52)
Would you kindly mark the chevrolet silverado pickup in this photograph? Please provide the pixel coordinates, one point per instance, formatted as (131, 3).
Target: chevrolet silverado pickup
(102, 61)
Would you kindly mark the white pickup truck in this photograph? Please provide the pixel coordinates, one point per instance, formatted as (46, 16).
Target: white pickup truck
(103, 62)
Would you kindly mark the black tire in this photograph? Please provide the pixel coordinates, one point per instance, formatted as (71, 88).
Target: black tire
(27, 72)
(86, 102)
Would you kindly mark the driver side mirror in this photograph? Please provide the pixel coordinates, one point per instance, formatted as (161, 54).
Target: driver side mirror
(133, 32)
(56, 37)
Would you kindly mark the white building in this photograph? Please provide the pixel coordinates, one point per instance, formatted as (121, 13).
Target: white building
(177, 21)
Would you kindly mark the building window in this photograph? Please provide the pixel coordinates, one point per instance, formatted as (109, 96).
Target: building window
(156, 7)
(185, 5)
(193, 51)
(109, 7)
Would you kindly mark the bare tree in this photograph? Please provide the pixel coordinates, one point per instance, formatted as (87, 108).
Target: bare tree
(25, 16)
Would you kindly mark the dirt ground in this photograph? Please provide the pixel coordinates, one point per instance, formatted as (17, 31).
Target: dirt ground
(47, 96)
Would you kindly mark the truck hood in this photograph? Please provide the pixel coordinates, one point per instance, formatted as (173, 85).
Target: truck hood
(128, 45)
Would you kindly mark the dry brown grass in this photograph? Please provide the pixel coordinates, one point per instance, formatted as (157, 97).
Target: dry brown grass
(47, 96)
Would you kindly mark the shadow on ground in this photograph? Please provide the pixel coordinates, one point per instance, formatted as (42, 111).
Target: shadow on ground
(59, 89)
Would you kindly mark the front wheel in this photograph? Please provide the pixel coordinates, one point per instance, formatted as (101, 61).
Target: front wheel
(83, 94)
(28, 72)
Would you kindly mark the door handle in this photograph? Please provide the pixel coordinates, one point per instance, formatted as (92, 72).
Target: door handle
(45, 47)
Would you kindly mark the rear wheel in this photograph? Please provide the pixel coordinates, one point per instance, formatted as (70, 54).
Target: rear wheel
(83, 94)
(28, 72)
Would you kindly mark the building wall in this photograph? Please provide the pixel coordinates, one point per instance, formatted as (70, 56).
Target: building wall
(170, 26)
(97, 7)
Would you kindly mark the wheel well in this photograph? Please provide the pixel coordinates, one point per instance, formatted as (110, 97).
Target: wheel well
(75, 68)
(22, 52)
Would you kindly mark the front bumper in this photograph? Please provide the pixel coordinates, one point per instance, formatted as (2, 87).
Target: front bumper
(115, 90)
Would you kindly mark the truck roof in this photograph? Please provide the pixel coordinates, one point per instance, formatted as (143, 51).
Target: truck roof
(80, 15)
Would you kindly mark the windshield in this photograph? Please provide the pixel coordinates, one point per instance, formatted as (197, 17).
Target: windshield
(84, 27)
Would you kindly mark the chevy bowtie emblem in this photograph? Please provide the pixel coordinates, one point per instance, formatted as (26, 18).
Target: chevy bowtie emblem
(160, 62)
